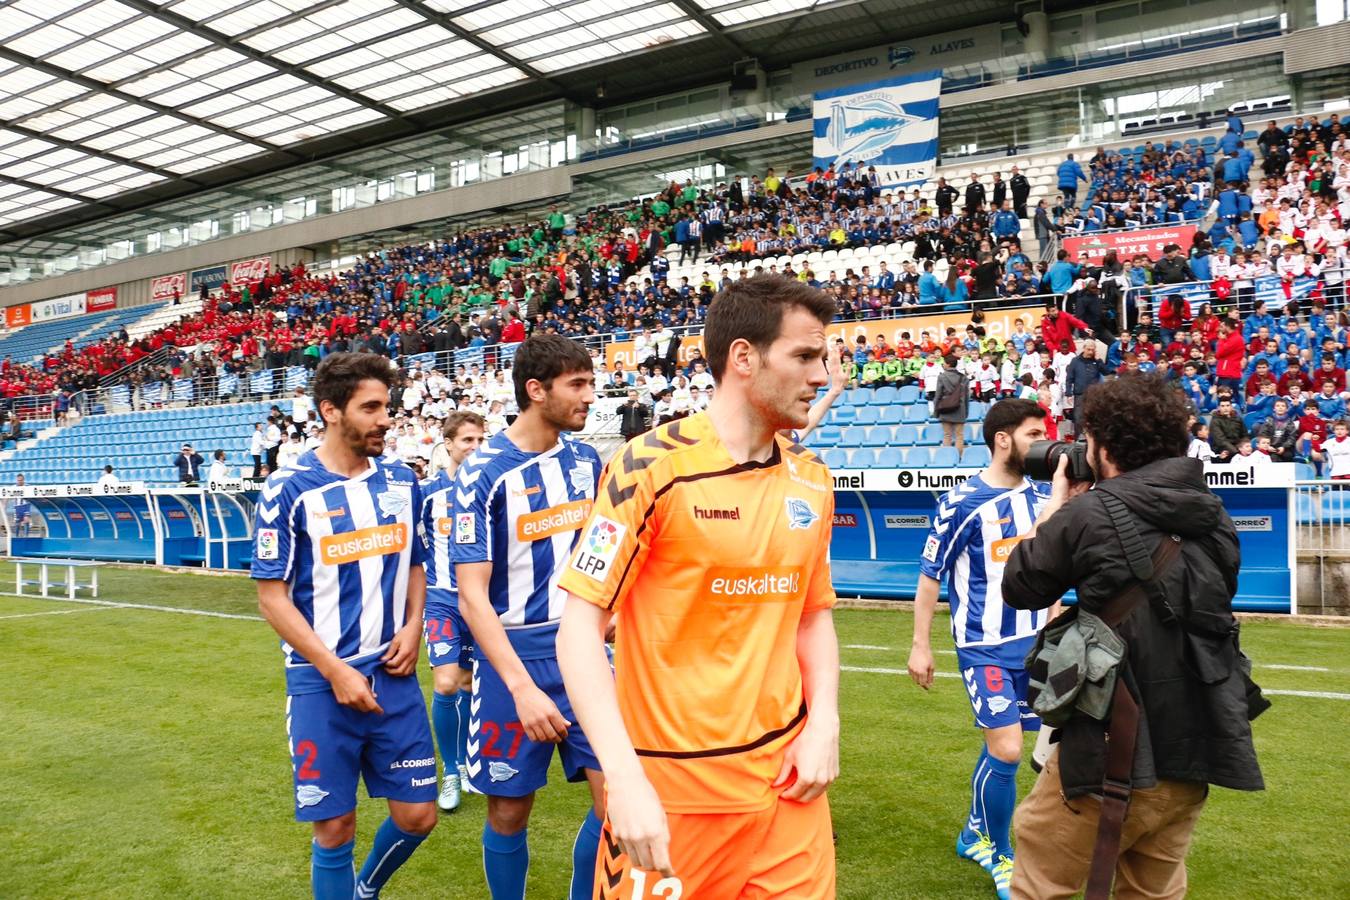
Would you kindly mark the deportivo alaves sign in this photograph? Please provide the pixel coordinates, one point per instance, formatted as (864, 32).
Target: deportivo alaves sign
(932, 52)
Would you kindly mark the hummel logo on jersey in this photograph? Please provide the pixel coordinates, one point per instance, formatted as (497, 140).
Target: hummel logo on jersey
(351, 546)
(309, 795)
(500, 771)
(800, 514)
(733, 513)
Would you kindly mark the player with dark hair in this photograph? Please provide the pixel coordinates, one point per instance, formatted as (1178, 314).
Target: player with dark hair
(976, 526)
(449, 643)
(340, 580)
(709, 548)
(519, 503)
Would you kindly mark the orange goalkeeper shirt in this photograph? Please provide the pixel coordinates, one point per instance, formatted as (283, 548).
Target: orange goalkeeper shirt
(708, 566)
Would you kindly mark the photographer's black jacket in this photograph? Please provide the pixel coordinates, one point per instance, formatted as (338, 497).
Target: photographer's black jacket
(1194, 722)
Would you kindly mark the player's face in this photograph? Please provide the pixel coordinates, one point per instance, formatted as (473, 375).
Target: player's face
(568, 401)
(465, 441)
(1026, 434)
(365, 420)
(790, 372)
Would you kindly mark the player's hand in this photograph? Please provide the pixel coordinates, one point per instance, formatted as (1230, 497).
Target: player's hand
(543, 723)
(814, 756)
(351, 688)
(834, 367)
(401, 657)
(1062, 489)
(921, 666)
(638, 822)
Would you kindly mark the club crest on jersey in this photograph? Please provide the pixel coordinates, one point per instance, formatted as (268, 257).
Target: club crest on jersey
(465, 531)
(500, 771)
(583, 480)
(393, 502)
(267, 543)
(441, 648)
(998, 704)
(309, 795)
(800, 514)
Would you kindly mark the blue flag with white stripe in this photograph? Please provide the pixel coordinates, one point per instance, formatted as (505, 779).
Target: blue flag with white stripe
(890, 124)
(229, 384)
(262, 381)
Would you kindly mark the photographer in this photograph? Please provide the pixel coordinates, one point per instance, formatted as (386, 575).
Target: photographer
(1181, 667)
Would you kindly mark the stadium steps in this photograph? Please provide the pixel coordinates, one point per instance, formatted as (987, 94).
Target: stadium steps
(43, 434)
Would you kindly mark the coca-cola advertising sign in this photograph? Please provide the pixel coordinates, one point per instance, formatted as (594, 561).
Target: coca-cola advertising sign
(164, 287)
(249, 271)
(1148, 241)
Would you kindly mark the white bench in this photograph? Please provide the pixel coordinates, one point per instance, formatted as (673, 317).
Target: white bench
(44, 582)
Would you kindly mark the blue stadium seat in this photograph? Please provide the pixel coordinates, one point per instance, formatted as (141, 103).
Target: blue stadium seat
(885, 394)
(910, 393)
(945, 457)
(856, 396)
(842, 415)
(975, 412)
(918, 457)
(853, 436)
(890, 415)
(890, 458)
(879, 436)
(975, 457)
(974, 433)
(867, 415)
(915, 415)
(1304, 472)
(862, 458)
(824, 436)
(835, 458)
(906, 436)
(930, 435)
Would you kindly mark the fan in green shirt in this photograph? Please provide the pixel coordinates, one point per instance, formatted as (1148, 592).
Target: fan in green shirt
(850, 372)
(660, 207)
(872, 372)
(891, 370)
(556, 220)
(499, 266)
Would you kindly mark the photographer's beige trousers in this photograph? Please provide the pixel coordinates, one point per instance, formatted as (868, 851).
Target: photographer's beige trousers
(1055, 839)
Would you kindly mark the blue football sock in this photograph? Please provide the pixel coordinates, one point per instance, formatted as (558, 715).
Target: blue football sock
(391, 849)
(584, 849)
(506, 859)
(462, 740)
(445, 725)
(330, 872)
(975, 821)
(997, 800)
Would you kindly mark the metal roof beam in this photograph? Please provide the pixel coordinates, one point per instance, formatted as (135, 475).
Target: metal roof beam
(446, 22)
(92, 84)
(183, 23)
(67, 144)
(54, 191)
(714, 29)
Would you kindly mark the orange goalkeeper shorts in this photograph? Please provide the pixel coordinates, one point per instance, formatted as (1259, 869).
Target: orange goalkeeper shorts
(786, 850)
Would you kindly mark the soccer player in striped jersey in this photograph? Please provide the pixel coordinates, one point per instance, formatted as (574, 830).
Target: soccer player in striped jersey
(340, 579)
(519, 503)
(975, 528)
(449, 643)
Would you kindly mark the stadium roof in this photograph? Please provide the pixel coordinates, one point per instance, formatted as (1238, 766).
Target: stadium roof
(108, 106)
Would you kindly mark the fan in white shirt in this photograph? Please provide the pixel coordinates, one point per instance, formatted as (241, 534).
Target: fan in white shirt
(1336, 450)
(218, 471)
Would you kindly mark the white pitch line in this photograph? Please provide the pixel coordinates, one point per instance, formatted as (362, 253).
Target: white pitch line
(889, 649)
(1321, 695)
(59, 612)
(1293, 668)
(168, 609)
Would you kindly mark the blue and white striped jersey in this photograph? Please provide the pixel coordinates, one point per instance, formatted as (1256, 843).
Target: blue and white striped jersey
(435, 525)
(974, 532)
(344, 547)
(523, 512)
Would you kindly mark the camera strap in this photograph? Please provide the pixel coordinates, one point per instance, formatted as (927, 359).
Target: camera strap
(1123, 728)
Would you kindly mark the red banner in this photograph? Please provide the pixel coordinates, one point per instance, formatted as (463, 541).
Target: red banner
(163, 287)
(249, 271)
(1148, 241)
(18, 316)
(100, 300)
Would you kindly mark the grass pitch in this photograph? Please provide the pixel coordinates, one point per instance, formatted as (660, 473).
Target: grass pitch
(144, 755)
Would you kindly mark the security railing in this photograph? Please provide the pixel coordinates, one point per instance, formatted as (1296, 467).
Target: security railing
(1322, 541)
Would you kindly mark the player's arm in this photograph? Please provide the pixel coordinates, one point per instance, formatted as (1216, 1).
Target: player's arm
(921, 647)
(636, 818)
(401, 657)
(350, 687)
(814, 754)
(538, 714)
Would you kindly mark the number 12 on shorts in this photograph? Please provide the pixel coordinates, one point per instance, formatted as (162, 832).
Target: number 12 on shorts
(665, 889)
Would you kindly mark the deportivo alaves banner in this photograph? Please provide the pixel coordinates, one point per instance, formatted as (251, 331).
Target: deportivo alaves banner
(891, 124)
(998, 323)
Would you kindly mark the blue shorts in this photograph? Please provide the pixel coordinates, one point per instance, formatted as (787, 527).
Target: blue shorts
(502, 761)
(998, 697)
(449, 642)
(332, 744)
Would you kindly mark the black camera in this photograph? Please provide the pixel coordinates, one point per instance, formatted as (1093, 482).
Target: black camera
(1043, 459)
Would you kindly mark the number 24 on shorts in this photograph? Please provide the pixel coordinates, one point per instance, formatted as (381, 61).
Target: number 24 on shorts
(665, 889)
